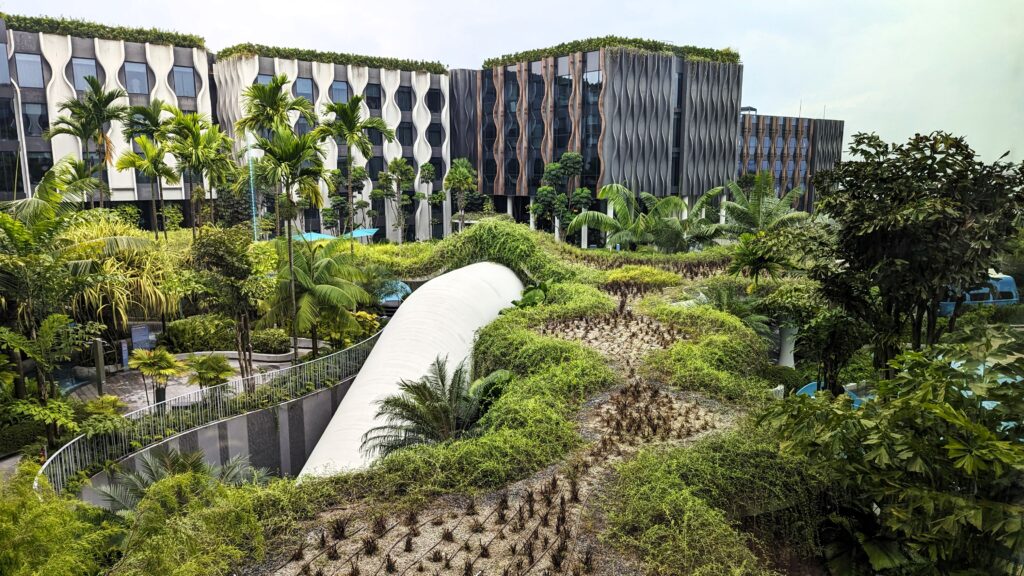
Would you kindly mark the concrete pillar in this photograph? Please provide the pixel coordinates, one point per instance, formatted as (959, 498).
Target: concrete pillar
(787, 344)
(446, 215)
(533, 219)
(508, 204)
(558, 230)
(583, 238)
(423, 228)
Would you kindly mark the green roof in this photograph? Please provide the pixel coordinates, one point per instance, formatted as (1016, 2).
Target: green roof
(333, 58)
(590, 44)
(86, 29)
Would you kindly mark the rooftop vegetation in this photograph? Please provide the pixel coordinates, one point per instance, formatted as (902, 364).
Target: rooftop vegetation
(640, 44)
(249, 49)
(87, 29)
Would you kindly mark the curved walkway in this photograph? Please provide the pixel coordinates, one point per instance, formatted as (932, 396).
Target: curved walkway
(439, 319)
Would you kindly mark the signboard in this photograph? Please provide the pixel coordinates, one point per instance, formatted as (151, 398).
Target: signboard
(140, 337)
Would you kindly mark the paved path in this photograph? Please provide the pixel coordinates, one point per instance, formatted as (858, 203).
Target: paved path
(8, 465)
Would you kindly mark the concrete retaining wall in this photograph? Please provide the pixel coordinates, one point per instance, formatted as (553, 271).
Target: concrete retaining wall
(279, 438)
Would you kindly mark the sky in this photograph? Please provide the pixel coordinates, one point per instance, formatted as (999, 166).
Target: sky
(894, 67)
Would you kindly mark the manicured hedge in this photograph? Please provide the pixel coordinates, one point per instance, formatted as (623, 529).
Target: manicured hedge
(249, 49)
(591, 44)
(86, 29)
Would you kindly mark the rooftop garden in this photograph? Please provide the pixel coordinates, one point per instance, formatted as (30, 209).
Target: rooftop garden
(590, 44)
(343, 58)
(86, 29)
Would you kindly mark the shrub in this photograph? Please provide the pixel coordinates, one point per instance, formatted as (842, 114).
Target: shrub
(249, 49)
(640, 44)
(640, 276)
(85, 29)
(200, 333)
(20, 434)
(270, 341)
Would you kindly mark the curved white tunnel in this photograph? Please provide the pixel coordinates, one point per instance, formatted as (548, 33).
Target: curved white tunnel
(439, 319)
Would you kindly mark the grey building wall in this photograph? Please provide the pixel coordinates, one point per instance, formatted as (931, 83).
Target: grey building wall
(636, 147)
(279, 438)
(465, 128)
(710, 96)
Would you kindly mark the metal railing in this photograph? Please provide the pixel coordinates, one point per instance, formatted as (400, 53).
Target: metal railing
(153, 424)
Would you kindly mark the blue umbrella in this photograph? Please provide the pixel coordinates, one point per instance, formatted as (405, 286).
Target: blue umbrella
(361, 233)
(312, 236)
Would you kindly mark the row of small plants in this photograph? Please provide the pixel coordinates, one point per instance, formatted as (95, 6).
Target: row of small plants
(249, 49)
(591, 44)
(86, 29)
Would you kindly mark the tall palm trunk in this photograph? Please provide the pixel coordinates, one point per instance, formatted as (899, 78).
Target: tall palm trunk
(192, 205)
(152, 210)
(351, 225)
(316, 339)
(163, 213)
(291, 288)
(103, 163)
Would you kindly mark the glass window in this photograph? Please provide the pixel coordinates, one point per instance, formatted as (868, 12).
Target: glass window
(406, 134)
(8, 123)
(435, 102)
(375, 137)
(435, 134)
(302, 126)
(373, 99)
(264, 79)
(30, 70)
(374, 167)
(35, 118)
(184, 81)
(8, 174)
(5, 66)
(403, 97)
(339, 91)
(136, 77)
(39, 163)
(304, 88)
(81, 68)
(764, 164)
(438, 165)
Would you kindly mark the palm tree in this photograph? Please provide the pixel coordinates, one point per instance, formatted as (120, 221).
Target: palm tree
(327, 287)
(295, 165)
(127, 488)
(634, 216)
(461, 179)
(742, 308)
(349, 129)
(682, 233)
(209, 369)
(754, 256)
(760, 209)
(151, 160)
(159, 365)
(146, 120)
(436, 408)
(265, 106)
(88, 118)
(200, 149)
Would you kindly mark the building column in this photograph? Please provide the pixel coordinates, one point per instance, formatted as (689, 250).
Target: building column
(423, 227)
(533, 219)
(446, 215)
(558, 230)
(508, 205)
(583, 238)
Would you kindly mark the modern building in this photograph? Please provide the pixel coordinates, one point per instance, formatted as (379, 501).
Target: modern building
(792, 149)
(43, 69)
(650, 115)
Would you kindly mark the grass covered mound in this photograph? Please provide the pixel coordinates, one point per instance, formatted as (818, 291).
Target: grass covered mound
(703, 509)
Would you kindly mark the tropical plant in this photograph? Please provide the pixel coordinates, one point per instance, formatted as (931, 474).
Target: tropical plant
(267, 106)
(146, 120)
(391, 187)
(128, 487)
(759, 209)
(743, 308)
(461, 180)
(343, 59)
(325, 284)
(436, 408)
(209, 369)
(159, 365)
(427, 176)
(691, 231)
(929, 473)
(86, 29)
(633, 219)
(151, 160)
(87, 119)
(613, 42)
(202, 151)
(755, 256)
(350, 129)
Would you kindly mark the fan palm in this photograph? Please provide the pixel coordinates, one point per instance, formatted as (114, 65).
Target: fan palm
(87, 119)
(326, 287)
(349, 128)
(127, 488)
(760, 209)
(295, 165)
(436, 408)
(635, 216)
(159, 365)
(209, 369)
(151, 160)
(200, 149)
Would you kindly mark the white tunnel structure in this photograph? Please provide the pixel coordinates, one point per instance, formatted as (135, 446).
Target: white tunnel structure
(439, 319)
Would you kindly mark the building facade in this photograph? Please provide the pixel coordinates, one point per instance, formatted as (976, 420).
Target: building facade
(792, 149)
(43, 70)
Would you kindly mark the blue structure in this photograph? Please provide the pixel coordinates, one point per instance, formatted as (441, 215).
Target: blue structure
(313, 236)
(1001, 291)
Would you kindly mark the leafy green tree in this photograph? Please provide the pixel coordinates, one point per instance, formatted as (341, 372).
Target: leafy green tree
(760, 209)
(87, 118)
(692, 231)
(914, 222)
(159, 365)
(350, 129)
(427, 176)
(436, 408)
(326, 286)
(151, 160)
(391, 187)
(200, 149)
(634, 216)
(209, 369)
(558, 200)
(927, 475)
(461, 180)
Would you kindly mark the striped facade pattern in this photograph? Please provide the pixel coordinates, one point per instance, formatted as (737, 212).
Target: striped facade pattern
(711, 96)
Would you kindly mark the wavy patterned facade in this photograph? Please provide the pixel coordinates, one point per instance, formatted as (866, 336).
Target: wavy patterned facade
(710, 98)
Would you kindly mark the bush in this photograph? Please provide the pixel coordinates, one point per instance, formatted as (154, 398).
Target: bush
(85, 29)
(640, 276)
(200, 333)
(332, 57)
(270, 341)
(612, 42)
(15, 437)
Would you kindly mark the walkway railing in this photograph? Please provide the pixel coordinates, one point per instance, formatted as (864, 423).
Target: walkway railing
(85, 455)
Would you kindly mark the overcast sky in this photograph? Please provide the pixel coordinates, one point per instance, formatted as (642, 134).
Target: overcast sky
(893, 67)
